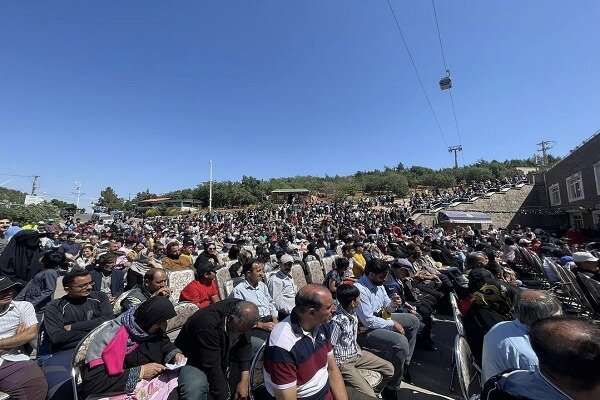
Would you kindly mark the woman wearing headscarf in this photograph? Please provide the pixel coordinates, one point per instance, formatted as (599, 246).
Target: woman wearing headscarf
(20, 259)
(129, 353)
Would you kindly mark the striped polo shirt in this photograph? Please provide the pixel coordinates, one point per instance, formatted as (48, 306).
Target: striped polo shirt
(298, 358)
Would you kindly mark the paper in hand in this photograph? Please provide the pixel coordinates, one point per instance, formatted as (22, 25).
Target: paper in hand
(178, 365)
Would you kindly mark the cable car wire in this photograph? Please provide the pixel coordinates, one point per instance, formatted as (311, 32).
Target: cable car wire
(437, 26)
(414, 65)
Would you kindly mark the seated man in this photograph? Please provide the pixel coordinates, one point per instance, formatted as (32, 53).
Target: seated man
(282, 287)
(254, 290)
(299, 361)
(348, 355)
(218, 349)
(202, 291)
(385, 332)
(568, 351)
(154, 284)
(586, 264)
(174, 260)
(506, 346)
(20, 377)
(66, 321)
(106, 278)
(399, 281)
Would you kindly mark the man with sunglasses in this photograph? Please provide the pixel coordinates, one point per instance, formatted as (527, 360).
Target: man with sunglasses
(20, 377)
(66, 321)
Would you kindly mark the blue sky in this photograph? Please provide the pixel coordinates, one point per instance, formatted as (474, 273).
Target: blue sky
(142, 94)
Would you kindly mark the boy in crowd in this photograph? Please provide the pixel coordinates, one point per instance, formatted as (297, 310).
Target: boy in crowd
(348, 354)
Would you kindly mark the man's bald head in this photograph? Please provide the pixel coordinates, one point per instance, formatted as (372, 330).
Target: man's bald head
(535, 305)
(312, 296)
(568, 350)
(245, 316)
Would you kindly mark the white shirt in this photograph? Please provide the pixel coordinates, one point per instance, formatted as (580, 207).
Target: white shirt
(283, 291)
(18, 312)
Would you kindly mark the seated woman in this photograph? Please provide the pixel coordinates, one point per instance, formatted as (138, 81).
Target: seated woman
(130, 352)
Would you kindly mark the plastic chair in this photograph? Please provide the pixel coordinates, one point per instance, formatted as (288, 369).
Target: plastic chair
(184, 311)
(178, 280)
(257, 382)
(79, 357)
(298, 276)
(328, 264)
(117, 308)
(315, 272)
(224, 279)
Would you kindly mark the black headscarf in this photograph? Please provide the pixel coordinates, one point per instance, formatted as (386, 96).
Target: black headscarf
(20, 259)
(154, 310)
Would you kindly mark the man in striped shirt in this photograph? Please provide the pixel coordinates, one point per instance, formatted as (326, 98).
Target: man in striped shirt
(348, 355)
(299, 361)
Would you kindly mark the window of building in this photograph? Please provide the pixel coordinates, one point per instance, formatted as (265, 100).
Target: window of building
(596, 218)
(597, 176)
(554, 191)
(577, 221)
(575, 187)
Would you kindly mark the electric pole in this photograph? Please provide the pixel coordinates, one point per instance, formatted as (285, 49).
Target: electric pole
(34, 184)
(77, 192)
(543, 148)
(210, 189)
(455, 149)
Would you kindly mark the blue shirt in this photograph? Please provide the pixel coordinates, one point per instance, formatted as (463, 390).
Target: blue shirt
(258, 295)
(531, 385)
(506, 346)
(373, 299)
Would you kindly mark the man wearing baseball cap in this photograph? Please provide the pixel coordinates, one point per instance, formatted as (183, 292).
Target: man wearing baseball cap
(20, 377)
(282, 287)
(587, 264)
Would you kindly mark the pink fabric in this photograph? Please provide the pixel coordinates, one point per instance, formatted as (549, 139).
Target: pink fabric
(113, 354)
(158, 388)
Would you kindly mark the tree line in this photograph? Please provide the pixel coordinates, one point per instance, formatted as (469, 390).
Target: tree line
(396, 180)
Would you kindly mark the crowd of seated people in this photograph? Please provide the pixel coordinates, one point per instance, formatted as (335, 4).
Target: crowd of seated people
(389, 277)
(428, 200)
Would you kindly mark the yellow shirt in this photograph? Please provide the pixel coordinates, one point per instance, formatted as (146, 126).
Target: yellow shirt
(359, 264)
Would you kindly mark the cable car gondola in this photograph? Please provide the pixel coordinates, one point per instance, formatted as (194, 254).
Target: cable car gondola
(446, 82)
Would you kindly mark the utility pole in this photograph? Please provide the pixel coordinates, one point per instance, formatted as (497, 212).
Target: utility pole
(455, 149)
(34, 184)
(543, 148)
(210, 189)
(77, 192)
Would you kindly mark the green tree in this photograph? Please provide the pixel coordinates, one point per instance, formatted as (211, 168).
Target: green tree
(109, 199)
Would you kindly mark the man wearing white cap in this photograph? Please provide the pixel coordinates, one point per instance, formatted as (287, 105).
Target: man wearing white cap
(282, 287)
(587, 264)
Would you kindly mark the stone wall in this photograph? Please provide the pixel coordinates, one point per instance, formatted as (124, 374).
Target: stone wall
(504, 208)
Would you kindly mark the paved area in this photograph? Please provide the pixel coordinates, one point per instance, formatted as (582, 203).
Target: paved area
(430, 370)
